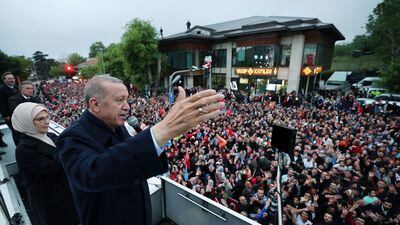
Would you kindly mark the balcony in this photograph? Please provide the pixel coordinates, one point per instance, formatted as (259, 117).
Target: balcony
(171, 202)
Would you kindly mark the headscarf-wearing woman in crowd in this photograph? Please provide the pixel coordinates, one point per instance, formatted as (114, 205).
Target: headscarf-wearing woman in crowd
(48, 192)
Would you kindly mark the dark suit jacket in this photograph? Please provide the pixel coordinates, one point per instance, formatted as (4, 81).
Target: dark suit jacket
(47, 187)
(107, 171)
(5, 93)
(17, 99)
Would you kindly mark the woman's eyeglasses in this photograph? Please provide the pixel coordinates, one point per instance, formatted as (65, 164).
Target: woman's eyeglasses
(42, 119)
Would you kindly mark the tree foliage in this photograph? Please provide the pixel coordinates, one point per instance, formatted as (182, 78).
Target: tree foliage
(90, 71)
(114, 62)
(41, 64)
(58, 69)
(361, 45)
(391, 75)
(140, 51)
(384, 27)
(75, 59)
(96, 48)
(18, 65)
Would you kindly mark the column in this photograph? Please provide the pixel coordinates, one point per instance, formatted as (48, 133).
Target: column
(296, 59)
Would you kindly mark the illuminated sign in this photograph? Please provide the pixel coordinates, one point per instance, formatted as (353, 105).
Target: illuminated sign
(311, 70)
(254, 71)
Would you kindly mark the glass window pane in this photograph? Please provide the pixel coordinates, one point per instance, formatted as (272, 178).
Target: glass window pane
(240, 56)
(285, 55)
(309, 54)
(249, 56)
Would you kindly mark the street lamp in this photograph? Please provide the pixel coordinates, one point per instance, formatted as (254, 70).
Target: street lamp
(102, 61)
(175, 77)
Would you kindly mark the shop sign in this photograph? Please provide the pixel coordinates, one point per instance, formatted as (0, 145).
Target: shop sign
(254, 71)
(311, 70)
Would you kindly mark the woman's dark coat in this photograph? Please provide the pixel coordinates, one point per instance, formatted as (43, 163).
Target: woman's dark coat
(47, 187)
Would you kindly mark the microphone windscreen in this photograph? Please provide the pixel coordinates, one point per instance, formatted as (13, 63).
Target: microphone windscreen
(133, 121)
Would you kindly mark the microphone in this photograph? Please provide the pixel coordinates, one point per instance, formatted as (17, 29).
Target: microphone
(134, 123)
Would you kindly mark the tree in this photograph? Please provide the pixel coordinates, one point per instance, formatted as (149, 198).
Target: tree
(21, 67)
(18, 65)
(384, 27)
(41, 65)
(90, 71)
(390, 76)
(114, 62)
(343, 49)
(362, 44)
(96, 48)
(75, 59)
(58, 69)
(140, 51)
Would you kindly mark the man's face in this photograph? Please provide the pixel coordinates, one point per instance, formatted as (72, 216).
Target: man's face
(113, 108)
(327, 217)
(360, 221)
(387, 205)
(242, 200)
(248, 184)
(9, 80)
(304, 216)
(27, 90)
(260, 193)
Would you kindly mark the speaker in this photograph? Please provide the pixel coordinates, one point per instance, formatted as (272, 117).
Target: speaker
(283, 138)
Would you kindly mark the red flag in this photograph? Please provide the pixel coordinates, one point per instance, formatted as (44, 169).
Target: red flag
(229, 112)
(18, 81)
(230, 132)
(187, 160)
(221, 141)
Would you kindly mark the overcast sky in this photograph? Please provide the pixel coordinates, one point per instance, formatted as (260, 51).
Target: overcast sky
(61, 27)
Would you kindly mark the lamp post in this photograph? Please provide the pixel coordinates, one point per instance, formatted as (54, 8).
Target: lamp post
(174, 77)
(102, 61)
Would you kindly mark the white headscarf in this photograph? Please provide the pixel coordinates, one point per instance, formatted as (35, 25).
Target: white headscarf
(22, 120)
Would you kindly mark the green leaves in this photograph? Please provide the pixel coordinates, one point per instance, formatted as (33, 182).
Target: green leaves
(391, 76)
(96, 48)
(384, 27)
(75, 59)
(140, 51)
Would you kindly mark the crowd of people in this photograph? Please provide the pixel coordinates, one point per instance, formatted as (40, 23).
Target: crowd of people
(344, 168)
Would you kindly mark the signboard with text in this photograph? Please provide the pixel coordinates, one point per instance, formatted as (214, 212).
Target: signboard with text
(255, 71)
(311, 70)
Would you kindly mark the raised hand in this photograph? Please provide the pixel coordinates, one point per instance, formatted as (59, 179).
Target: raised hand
(187, 113)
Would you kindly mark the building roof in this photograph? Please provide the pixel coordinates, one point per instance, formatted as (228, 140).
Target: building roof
(89, 62)
(257, 24)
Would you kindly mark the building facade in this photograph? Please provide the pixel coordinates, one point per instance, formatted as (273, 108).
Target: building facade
(255, 54)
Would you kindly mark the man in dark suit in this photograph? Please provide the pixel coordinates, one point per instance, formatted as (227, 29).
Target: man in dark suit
(25, 95)
(107, 169)
(7, 90)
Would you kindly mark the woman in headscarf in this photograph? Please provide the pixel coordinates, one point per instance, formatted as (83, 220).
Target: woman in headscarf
(46, 184)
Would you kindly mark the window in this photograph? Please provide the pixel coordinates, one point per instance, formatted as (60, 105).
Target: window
(366, 83)
(255, 56)
(181, 59)
(249, 56)
(259, 56)
(270, 59)
(219, 58)
(285, 55)
(239, 56)
(309, 54)
(218, 80)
